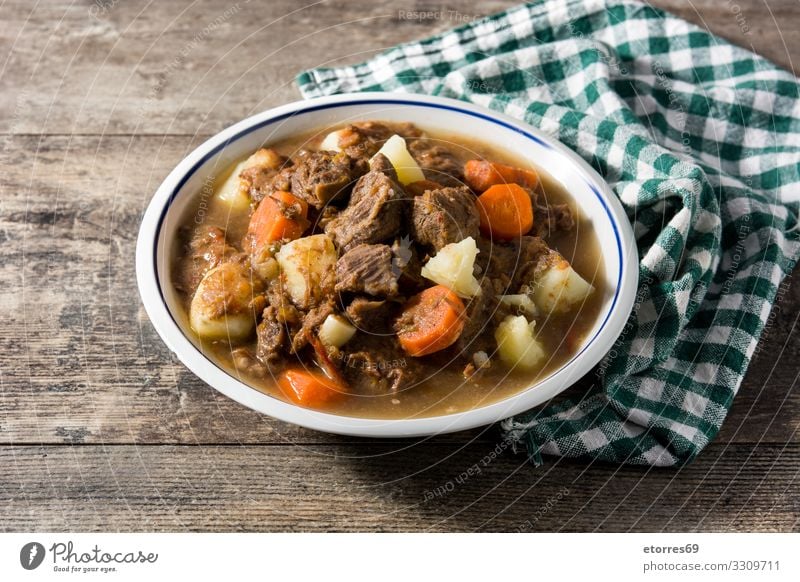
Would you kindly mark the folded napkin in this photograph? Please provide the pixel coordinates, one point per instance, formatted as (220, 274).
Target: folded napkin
(699, 139)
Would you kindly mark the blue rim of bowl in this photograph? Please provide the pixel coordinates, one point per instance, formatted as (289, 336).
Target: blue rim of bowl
(338, 104)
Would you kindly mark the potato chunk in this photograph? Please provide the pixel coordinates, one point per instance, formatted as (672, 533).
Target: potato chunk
(407, 168)
(336, 331)
(308, 267)
(331, 142)
(516, 345)
(233, 191)
(557, 287)
(453, 267)
(222, 306)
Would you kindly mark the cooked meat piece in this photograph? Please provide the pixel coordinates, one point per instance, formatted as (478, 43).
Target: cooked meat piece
(438, 163)
(246, 363)
(363, 139)
(419, 187)
(320, 177)
(381, 163)
(269, 176)
(477, 335)
(271, 337)
(529, 249)
(509, 265)
(367, 269)
(280, 181)
(374, 366)
(373, 317)
(444, 216)
(323, 217)
(277, 297)
(373, 215)
(206, 249)
(408, 130)
(310, 325)
(553, 218)
(407, 263)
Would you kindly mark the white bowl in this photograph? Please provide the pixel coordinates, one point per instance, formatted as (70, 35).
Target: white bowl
(590, 192)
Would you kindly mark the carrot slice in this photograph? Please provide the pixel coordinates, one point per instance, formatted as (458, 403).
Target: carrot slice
(481, 175)
(308, 388)
(431, 321)
(279, 216)
(505, 211)
(324, 361)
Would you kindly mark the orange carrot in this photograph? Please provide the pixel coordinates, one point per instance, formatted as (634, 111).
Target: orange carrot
(505, 211)
(308, 388)
(325, 362)
(431, 321)
(419, 187)
(480, 175)
(279, 216)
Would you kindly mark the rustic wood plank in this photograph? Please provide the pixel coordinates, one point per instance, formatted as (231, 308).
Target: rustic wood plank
(165, 67)
(381, 488)
(82, 364)
(85, 380)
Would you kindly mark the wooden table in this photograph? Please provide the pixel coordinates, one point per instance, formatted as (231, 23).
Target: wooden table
(102, 429)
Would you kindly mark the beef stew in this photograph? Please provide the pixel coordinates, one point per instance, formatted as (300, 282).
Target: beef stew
(382, 271)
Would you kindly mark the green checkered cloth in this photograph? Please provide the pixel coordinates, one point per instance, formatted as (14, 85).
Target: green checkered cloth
(699, 139)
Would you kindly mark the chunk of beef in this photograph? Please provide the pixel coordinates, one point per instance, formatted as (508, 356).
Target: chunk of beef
(269, 175)
(362, 140)
(246, 363)
(206, 249)
(277, 297)
(375, 366)
(367, 269)
(419, 187)
(321, 177)
(323, 217)
(438, 163)
(373, 317)
(444, 216)
(381, 163)
(477, 334)
(373, 215)
(310, 325)
(553, 218)
(407, 263)
(509, 265)
(271, 336)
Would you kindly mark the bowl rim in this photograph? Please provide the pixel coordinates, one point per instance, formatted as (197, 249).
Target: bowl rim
(217, 377)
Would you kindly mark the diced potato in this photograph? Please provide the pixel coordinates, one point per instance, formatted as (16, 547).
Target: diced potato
(520, 302)
(307, 267)
(331, 142)
(516, 345)
(406, 167)
(264, 263)
(222, 306)
(558, 288)
(232, 191)
(453, 267)
(336, 331)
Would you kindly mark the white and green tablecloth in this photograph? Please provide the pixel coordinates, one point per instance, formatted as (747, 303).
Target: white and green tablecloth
(699, 139)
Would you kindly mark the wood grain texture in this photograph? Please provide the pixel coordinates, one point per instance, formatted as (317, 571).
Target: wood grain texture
(381, 487)
(98, 370)
(102, 428)
(181, 68)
